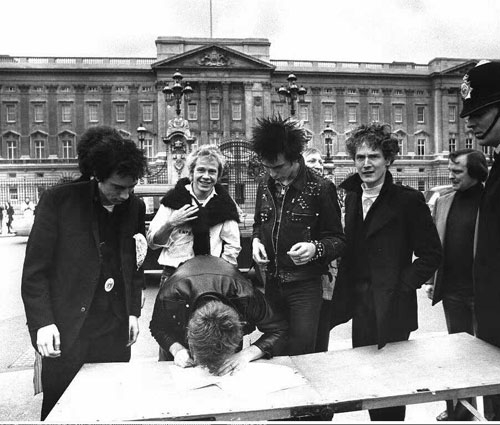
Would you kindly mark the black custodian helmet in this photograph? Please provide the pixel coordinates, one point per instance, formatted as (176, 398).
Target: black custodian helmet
(480, 87)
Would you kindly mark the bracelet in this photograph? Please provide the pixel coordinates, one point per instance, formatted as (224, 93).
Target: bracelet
(320, 250)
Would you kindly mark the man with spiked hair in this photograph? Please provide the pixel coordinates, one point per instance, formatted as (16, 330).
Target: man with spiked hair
(297, 230)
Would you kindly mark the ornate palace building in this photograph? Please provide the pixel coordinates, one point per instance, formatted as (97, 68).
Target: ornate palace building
(46, 103)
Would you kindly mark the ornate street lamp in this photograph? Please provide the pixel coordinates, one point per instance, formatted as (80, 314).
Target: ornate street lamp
(328, 142)
(177, 91)
(141, 134)
(292, 93)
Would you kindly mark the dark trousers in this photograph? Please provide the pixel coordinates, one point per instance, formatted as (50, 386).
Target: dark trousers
(324, 328)
(57, 373)
(301, 303)
(364, 332)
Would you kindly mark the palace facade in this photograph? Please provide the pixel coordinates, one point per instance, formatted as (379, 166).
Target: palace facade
(46, 103)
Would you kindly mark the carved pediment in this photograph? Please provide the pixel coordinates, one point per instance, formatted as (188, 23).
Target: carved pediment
(213, 57)
(459, 70)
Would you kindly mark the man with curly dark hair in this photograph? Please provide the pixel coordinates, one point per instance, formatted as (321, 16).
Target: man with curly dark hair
(82, 281)
(392, 247)
(297, 230)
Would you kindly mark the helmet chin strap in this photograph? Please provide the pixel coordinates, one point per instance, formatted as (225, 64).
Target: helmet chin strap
(497, 116)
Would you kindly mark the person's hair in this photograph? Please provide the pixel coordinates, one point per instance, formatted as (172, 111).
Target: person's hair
(375, 136)
(214, 332)
(477, 166)
(275, 135)
(206, 151)
(311, 151)
(91, 138)
(120, 156)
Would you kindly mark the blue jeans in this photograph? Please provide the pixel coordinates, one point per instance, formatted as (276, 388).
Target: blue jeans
(301, 303)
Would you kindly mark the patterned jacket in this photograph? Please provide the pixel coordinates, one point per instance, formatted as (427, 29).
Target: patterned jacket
(309, 212)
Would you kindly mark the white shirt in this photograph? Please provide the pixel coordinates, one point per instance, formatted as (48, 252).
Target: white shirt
(224, 237)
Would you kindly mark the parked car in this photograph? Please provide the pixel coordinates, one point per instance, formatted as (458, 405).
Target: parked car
(432, 195)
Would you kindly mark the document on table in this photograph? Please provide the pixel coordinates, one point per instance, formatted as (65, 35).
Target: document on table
(255, 378)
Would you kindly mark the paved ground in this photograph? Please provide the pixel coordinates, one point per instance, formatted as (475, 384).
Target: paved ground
(17, 402)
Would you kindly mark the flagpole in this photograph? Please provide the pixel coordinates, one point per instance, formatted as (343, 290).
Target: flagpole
(211, 32)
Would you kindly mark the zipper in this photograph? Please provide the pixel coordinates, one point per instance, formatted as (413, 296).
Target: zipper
(283, 192)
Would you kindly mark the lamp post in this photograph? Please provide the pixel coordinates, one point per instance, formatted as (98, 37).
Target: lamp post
(141, 135)
(328, 138)
(292, 93)
(177, 91)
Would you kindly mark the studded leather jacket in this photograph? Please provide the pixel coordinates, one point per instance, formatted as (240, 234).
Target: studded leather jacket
(309, 211)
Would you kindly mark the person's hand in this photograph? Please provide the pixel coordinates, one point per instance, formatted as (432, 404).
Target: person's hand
(235, 362)
(259, 254)
(183, 215)
(183, 359)
(429, 290)
(133, 330)
(302, 252)
(48, 341)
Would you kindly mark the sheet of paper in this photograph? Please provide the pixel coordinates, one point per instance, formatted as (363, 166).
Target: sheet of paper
(256, 379)
(259, 379)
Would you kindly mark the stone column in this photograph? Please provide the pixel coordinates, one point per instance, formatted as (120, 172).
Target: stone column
(438, 121)
(316, 124)
(266, 99)
(387, 106)
(134, 109)
(341, 119)
(25, 118)
(106, 105)
(363, 106)
(226, 111)
(249, 115)
(410, 119)
(204, 115)
(79, 109)
(161, 123)
(52, 148)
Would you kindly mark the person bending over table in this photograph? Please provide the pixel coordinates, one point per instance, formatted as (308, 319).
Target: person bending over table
(203, 310)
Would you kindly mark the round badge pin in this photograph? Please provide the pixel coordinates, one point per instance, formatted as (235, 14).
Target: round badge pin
(108, 286)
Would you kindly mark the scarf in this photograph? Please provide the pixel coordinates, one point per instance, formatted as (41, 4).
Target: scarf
(218, 210)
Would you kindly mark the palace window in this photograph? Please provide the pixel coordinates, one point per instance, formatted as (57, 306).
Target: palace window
(352, 113)
(39, 148)
(375, 91)
(38, 110)
(452, 113)
(351, 91)
(469, 143)
(214, 111)
(278, 109)
(147, 112)
(93, 112)
(398, 113)
(398, 92)
(148, 147)
(375, 113)
(420, 147)
(67, 148)
(328, 113)
(66, 112)
(192, 111)
(120, 109)
(452, 144)
(11, 113)
(12, 149)
(421, 114)
(236, 111)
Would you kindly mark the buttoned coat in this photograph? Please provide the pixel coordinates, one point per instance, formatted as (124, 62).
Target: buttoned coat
(486, 272)
(62, 263)
(397, 226)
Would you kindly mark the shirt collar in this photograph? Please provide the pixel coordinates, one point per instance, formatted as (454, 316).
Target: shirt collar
(189, 188)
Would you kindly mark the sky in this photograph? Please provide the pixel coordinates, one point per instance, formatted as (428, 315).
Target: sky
(330, 30)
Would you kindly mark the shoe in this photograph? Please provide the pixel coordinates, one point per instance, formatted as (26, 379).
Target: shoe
(443, 416)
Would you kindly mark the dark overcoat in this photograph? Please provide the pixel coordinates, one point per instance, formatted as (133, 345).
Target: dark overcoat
(63, 263)
(398, 227)
(487, 260)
